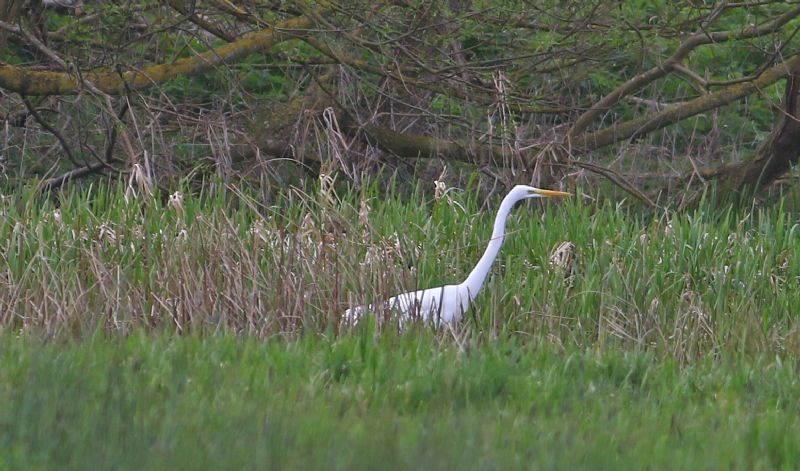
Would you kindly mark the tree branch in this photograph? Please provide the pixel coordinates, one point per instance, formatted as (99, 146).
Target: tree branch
(648, 123)
(662, 70)
(35, 82)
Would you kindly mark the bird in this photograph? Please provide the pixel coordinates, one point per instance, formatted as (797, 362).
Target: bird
(446, 305)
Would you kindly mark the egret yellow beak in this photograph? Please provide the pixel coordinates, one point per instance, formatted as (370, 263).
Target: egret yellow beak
(550, 192)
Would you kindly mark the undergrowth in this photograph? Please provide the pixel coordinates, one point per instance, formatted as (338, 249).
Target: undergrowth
(683, 285)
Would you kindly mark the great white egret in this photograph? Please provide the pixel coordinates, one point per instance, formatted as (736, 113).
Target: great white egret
(447, 304)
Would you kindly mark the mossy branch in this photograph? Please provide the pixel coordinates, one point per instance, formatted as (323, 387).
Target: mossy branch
(32, 82)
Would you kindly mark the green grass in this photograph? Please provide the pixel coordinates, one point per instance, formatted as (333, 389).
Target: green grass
(145, 336)
(165, 402)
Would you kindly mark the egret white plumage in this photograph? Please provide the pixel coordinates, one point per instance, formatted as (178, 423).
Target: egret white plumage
(447, 304)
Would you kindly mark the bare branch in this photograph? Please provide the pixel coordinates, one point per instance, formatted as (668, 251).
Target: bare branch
(699, 38)
(648, 123)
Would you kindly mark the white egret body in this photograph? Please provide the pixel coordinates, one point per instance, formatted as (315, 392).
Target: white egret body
(447, 304)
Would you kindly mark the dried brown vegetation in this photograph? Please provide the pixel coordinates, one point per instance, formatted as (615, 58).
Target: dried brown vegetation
(683, 286)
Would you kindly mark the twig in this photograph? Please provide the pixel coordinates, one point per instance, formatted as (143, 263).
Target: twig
(18, 120)
(51, 130)
(35, 41)
(618, 179)
(102, 163)
(56, 182)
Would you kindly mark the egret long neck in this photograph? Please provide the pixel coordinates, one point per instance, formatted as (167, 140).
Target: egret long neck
(474, 281)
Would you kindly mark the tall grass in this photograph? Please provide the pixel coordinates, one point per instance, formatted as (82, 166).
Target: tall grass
(683, 285)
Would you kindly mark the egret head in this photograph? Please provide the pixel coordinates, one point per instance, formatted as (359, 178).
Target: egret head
(521, 192)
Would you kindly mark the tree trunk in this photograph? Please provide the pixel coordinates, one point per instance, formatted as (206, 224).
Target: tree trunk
(776, 155)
